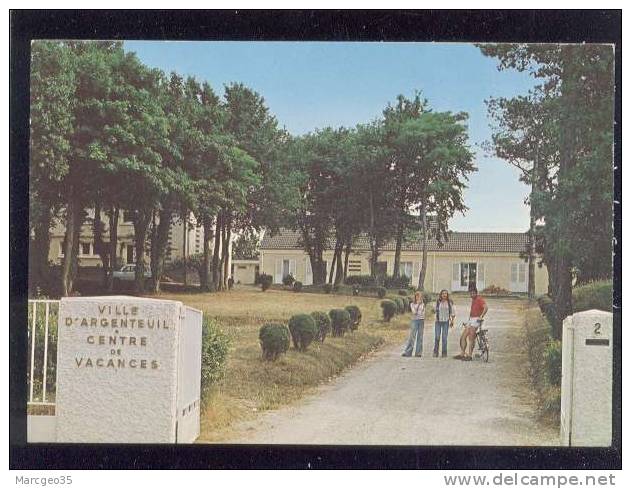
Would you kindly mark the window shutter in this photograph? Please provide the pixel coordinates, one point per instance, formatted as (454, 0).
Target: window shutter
(513, 272)
(522, 273)
(308, 273)
(292, 268)
(481, 272)
(455, 275)
(278, 271)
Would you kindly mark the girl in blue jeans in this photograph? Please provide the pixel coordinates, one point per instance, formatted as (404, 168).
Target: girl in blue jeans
(445, 315)
(416, 326)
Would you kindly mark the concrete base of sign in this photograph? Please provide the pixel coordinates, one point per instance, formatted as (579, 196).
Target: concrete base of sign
(119, 370)
(586, 386)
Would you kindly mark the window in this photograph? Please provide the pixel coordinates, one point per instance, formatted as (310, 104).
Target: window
(128, 216)
(518, 273)
(285, 268)
(354, 266)
(86, 249)
(405, 268)
(468, 274)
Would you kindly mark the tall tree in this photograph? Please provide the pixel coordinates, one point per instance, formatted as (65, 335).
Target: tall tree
(51, 103)
(576, 211)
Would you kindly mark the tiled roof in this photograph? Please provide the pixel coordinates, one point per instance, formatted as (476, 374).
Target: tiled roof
(288, 239)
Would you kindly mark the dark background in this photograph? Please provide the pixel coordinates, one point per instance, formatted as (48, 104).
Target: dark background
(603, 26)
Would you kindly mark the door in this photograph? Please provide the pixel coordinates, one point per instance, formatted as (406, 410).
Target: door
(518, 281)
(467, 274)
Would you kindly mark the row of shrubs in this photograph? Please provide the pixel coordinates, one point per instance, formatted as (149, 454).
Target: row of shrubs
(388, 282)
(303, 329)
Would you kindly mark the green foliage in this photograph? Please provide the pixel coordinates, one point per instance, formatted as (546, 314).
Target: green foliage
(288, 279)
(265, 281)
(214, 353)
(303, 330)
(388, 309)
(549, 310)
(274, 339)
(381, 292)
(297, 286)
(552, 359)
(340, 321)
(327, 288)
(403, 292)
(396, 282)
(595, 295)
(356, 316)
(356, 289)
(323, 322)
(365, 280)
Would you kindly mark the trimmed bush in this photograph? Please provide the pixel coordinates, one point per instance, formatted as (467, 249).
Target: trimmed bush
(356, 289)
(327, 288)
(552, 360)
(381, 292)
(266, 281)
(389, 309)
(406, 303)
(356, 316)
(402, 292)
(214, 353)
(274, 340)
(297, 286)
(303, 330)
(288, 279)
(399, 303)
(595, 295)
(396, 283)
(365, 280)
(340, 321)
(323, 323)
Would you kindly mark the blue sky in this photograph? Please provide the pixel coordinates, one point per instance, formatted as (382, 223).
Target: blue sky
(309, 85)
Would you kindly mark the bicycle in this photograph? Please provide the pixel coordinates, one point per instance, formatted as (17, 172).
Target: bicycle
(483, 342)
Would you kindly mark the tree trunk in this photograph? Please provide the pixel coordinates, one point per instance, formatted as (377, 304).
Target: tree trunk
(563, 298)
(225, 253)
(346, 255)
(99, 245)
(113, 244)
(38, 253)
(339, 272)
(397, 250)
(205, 275)
(141, 224)
(216, 250)
(72, 218)
(338, 245)
(421, 276)
(158, 248)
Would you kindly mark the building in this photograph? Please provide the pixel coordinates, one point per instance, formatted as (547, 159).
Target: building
(185, 239)
(466, 258)
(245, 271)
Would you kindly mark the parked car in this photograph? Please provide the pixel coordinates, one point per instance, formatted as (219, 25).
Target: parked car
(127, 273)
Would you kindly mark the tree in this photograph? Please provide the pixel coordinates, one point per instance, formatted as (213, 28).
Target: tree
(51, 102)
(575, 209)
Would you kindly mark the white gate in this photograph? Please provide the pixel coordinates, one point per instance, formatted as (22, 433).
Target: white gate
(42, 326)
(42, 353)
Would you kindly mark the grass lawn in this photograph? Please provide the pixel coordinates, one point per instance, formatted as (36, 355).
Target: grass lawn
(252, 384)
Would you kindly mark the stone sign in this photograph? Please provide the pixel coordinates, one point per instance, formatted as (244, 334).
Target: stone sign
(128, 370)
(586, 386)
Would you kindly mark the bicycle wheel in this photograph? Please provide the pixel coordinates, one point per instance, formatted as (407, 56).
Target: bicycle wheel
(484, 346)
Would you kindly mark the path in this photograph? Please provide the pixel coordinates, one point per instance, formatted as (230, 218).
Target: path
(391, 400)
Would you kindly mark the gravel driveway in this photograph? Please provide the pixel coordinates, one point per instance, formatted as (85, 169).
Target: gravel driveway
(391, 400)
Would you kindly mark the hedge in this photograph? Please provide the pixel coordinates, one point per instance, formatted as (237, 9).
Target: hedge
(303, 330)
(214, 353)
(297, 286)
(274, 339)
(340, 321)
(266, 281)
(356, 316)
(389, 309)
(323, 322)
(595, 295)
